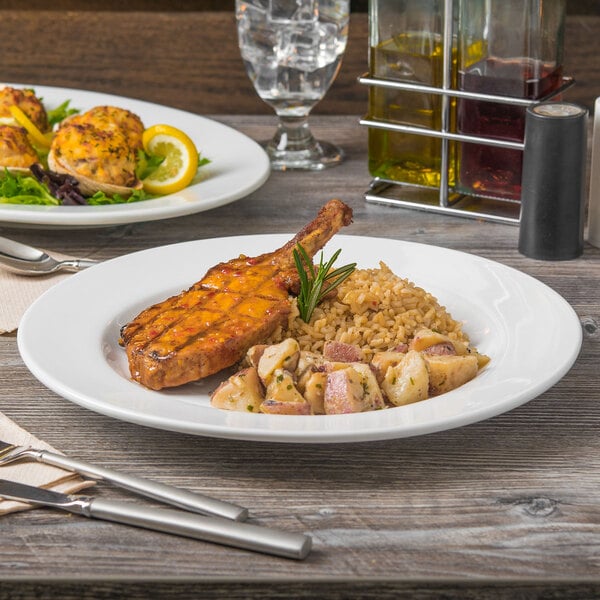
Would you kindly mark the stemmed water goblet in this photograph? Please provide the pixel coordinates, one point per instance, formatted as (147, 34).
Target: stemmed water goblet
(292, 50)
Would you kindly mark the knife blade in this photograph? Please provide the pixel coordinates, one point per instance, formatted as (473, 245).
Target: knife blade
(151, 489)
(177, 522)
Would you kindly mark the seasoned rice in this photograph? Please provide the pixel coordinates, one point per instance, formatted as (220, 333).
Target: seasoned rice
(373, 309)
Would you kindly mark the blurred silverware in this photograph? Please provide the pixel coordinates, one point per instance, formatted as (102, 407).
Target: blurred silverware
(27, 260)
(150, 489)
(219, 531)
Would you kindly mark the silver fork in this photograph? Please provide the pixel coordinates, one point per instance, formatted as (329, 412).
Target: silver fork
(151, 489)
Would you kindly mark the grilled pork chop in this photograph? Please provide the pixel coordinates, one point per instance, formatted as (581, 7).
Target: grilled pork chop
(234, 306)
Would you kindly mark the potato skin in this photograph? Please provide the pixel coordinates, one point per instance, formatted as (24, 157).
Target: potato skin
(449, 372)
(282, 396)
(407, 381)
(241, 392)
(298, 382)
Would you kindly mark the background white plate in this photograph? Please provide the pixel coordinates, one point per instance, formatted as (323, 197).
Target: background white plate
(69, 340)
(238, 167)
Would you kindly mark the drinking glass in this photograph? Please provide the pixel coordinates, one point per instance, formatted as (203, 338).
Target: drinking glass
(292, 50)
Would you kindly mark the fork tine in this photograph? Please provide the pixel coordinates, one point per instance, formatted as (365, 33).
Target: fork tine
(5, 447)
(10, 452)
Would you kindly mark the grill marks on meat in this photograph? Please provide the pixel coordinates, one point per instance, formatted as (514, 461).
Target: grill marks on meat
(236, 305)
(201, 331)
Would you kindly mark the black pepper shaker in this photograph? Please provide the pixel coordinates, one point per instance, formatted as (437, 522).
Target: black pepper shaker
(553, 181)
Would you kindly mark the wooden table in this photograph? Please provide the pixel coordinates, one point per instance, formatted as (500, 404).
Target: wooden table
(190, 60)
(505, 508)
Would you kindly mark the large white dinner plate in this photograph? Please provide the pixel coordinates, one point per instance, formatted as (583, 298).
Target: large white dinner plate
(69, 340)
(238, 167)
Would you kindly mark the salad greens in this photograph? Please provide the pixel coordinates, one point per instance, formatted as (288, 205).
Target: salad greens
(42, 186)
(147, 164)
(101, 198)
(24, 189)
(60, 113)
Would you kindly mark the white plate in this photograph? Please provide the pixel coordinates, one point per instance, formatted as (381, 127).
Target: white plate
(69, 340)
(238, 167)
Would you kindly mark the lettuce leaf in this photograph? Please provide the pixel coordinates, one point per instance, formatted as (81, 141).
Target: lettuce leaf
(147, 164)
(60, 113)
(24, 189)
(101, 198)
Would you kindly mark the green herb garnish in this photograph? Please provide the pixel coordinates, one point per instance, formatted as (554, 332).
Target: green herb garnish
(147, 164)
(316, 283)
(60, 113)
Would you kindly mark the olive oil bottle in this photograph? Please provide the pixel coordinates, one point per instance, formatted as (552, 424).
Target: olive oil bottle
(406, 45)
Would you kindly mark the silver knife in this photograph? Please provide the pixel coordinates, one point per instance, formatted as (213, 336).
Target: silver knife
(209, 529)
(151, 489)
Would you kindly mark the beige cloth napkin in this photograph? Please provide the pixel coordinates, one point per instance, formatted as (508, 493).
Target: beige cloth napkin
(18, 292)
(31, 472)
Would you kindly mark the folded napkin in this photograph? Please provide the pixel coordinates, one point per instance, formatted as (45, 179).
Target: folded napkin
(18, 292)
(31, 472)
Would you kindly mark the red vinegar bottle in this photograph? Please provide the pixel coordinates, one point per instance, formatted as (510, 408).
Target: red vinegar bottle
(508, 48)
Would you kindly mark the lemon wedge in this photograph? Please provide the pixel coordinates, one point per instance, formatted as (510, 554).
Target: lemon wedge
(180, 162)
(40, 139)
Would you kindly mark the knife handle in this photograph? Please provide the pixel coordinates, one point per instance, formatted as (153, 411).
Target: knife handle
(150, 489)
(209, 529)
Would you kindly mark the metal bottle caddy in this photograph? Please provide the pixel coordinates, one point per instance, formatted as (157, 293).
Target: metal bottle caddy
(443, 199)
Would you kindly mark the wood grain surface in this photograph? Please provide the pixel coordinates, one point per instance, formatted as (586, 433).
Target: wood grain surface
(577, 7)
(190, 60)
(505, 508)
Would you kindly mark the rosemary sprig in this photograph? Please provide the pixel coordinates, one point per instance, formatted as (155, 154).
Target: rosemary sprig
(316, 283)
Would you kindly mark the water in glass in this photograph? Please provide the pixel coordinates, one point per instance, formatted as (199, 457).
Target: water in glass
(292, 50)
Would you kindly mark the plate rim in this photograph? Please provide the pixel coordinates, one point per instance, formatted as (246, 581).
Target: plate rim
(165, 207)
(297, 436)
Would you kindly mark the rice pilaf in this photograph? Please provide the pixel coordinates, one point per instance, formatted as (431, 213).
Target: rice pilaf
(373, 309)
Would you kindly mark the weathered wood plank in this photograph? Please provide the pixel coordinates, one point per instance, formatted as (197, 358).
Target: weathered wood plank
(509, 499)
(573, 7)
(191, 60)
(504, 508)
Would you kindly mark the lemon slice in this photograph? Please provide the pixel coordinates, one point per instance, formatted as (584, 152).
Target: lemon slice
(180, 162)
(36, 135)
